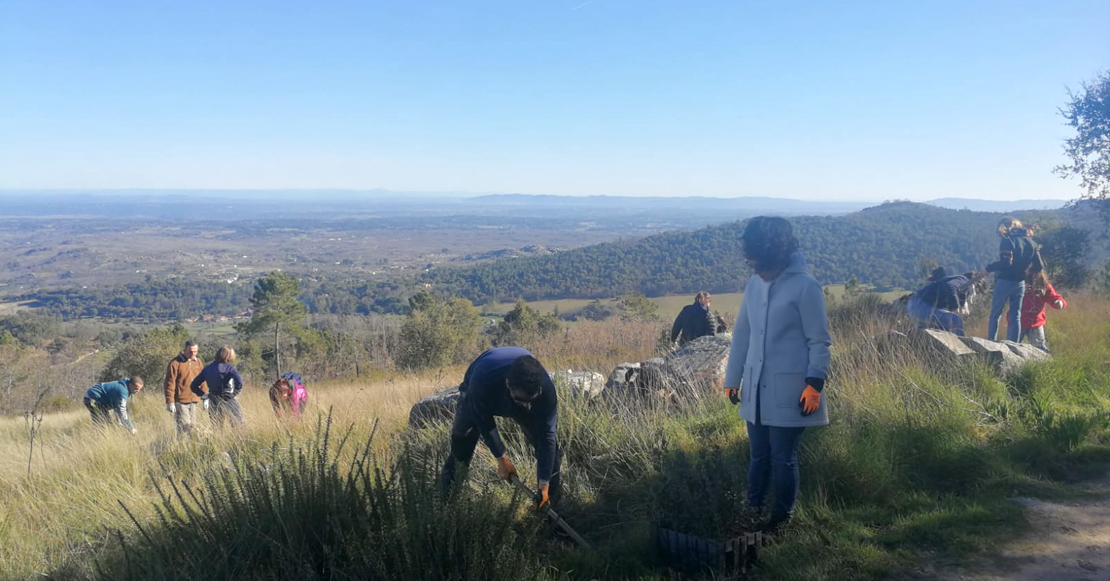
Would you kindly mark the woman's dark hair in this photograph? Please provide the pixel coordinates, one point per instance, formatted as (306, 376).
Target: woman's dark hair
(768, 242)
(526, 376)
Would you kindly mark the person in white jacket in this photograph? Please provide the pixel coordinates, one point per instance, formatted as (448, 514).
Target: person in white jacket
(780, 357)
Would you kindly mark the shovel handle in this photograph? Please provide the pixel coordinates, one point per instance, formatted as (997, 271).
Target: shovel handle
(555, 518)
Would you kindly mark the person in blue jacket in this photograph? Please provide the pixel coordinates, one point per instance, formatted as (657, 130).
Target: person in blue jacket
(112, 396)
(224, 385)
(780, 356)
(938, 303)
(507, 382)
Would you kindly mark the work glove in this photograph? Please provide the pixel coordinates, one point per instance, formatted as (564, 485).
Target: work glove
(505, 469)
(134, 431)
(733, 395)
(1059, 304)
(542, 500)
(205, 405)
(810, 400)
(170, 407)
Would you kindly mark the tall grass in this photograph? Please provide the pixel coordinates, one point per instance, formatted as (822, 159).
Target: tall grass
(918, 456)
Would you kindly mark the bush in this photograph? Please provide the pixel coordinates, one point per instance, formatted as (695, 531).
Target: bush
(317, 513)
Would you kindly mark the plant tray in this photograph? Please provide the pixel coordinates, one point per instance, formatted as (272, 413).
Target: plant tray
(735, 555)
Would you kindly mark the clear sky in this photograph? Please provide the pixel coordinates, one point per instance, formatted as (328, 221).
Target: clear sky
(863, 100)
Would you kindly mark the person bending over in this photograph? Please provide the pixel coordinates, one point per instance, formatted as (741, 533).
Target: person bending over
(112, 396)
(506, 382)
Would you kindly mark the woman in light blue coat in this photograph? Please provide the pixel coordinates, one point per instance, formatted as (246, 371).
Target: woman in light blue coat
(780, 356)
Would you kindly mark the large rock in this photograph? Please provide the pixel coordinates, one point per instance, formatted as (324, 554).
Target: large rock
(623, 376)
(438, 407)
(587, 384)
(1027, 352)
(998, 355)
(690, 372)
(941, 343)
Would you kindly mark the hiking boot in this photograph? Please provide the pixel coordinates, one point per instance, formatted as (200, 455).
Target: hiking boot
(775, 525)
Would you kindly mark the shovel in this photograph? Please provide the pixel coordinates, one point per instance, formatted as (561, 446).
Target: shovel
(555, 518)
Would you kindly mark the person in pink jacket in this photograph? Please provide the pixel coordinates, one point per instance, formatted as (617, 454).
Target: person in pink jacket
(1038, 295)
(288, 394)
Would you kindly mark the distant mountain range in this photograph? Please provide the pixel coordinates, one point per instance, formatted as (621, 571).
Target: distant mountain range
(674, 211)
(881, 245)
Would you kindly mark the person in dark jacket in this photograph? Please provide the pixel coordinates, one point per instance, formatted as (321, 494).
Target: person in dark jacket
(112, 396)
(937, 304)
(1018, 257)
(694, 321)
(507, 382)
(224, 383)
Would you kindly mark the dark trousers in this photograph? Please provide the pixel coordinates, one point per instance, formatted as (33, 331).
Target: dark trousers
(225, 409)
(464, 439)
(99, 413)
(774, 452)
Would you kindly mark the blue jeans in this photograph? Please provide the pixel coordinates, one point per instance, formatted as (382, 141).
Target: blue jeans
(1011, 291)
(933, 318)
(774, 451)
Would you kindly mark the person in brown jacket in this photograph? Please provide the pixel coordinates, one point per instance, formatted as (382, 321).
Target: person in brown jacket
(180, 400)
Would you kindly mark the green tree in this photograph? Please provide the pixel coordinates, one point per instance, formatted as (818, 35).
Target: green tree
(437, 332)
(277, 310)
(635, 306)
(1088, 152)
(1064, 249)
(523, 324)
(146, 355)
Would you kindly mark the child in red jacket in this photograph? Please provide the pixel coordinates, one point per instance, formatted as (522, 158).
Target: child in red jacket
(1038, 294)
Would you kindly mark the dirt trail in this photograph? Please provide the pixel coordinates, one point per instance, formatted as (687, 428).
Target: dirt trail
(1070, 541)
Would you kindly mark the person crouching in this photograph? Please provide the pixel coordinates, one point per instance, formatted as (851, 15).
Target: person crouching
(507, 382)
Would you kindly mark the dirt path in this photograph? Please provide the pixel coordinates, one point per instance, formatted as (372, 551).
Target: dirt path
(1070, 541)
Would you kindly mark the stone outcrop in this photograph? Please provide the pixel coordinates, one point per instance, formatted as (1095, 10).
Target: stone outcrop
(438, 407)
(690, 372)
(942, 348)
(586, 384)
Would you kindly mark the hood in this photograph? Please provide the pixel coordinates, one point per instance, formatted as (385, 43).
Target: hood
(797, 264)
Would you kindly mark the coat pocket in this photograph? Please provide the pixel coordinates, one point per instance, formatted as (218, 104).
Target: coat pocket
(788, 389)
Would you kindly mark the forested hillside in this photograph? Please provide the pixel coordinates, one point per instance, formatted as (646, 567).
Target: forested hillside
(879, 246)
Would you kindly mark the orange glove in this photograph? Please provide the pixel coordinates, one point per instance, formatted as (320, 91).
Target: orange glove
(505, 468)
(541, 501)
(733, 395)
(810, 400)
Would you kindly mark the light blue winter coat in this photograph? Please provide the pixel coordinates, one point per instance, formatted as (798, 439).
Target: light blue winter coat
(781, 337)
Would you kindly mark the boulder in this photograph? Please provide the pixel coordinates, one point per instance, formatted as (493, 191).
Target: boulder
(942, 347)
(623, 376)
(699, 366)
(438, 407)
(1027, 352)
(997, 355)
(690, 372)
(580, 383)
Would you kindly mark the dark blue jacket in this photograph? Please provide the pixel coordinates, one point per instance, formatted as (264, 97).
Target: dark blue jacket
(219, 377)
(488, 396)
(947, 293)
(1017, 256)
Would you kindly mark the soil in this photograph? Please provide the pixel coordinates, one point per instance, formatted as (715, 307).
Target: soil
(1070, 541)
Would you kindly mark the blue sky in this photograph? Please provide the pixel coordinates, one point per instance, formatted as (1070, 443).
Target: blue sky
(814, 100)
